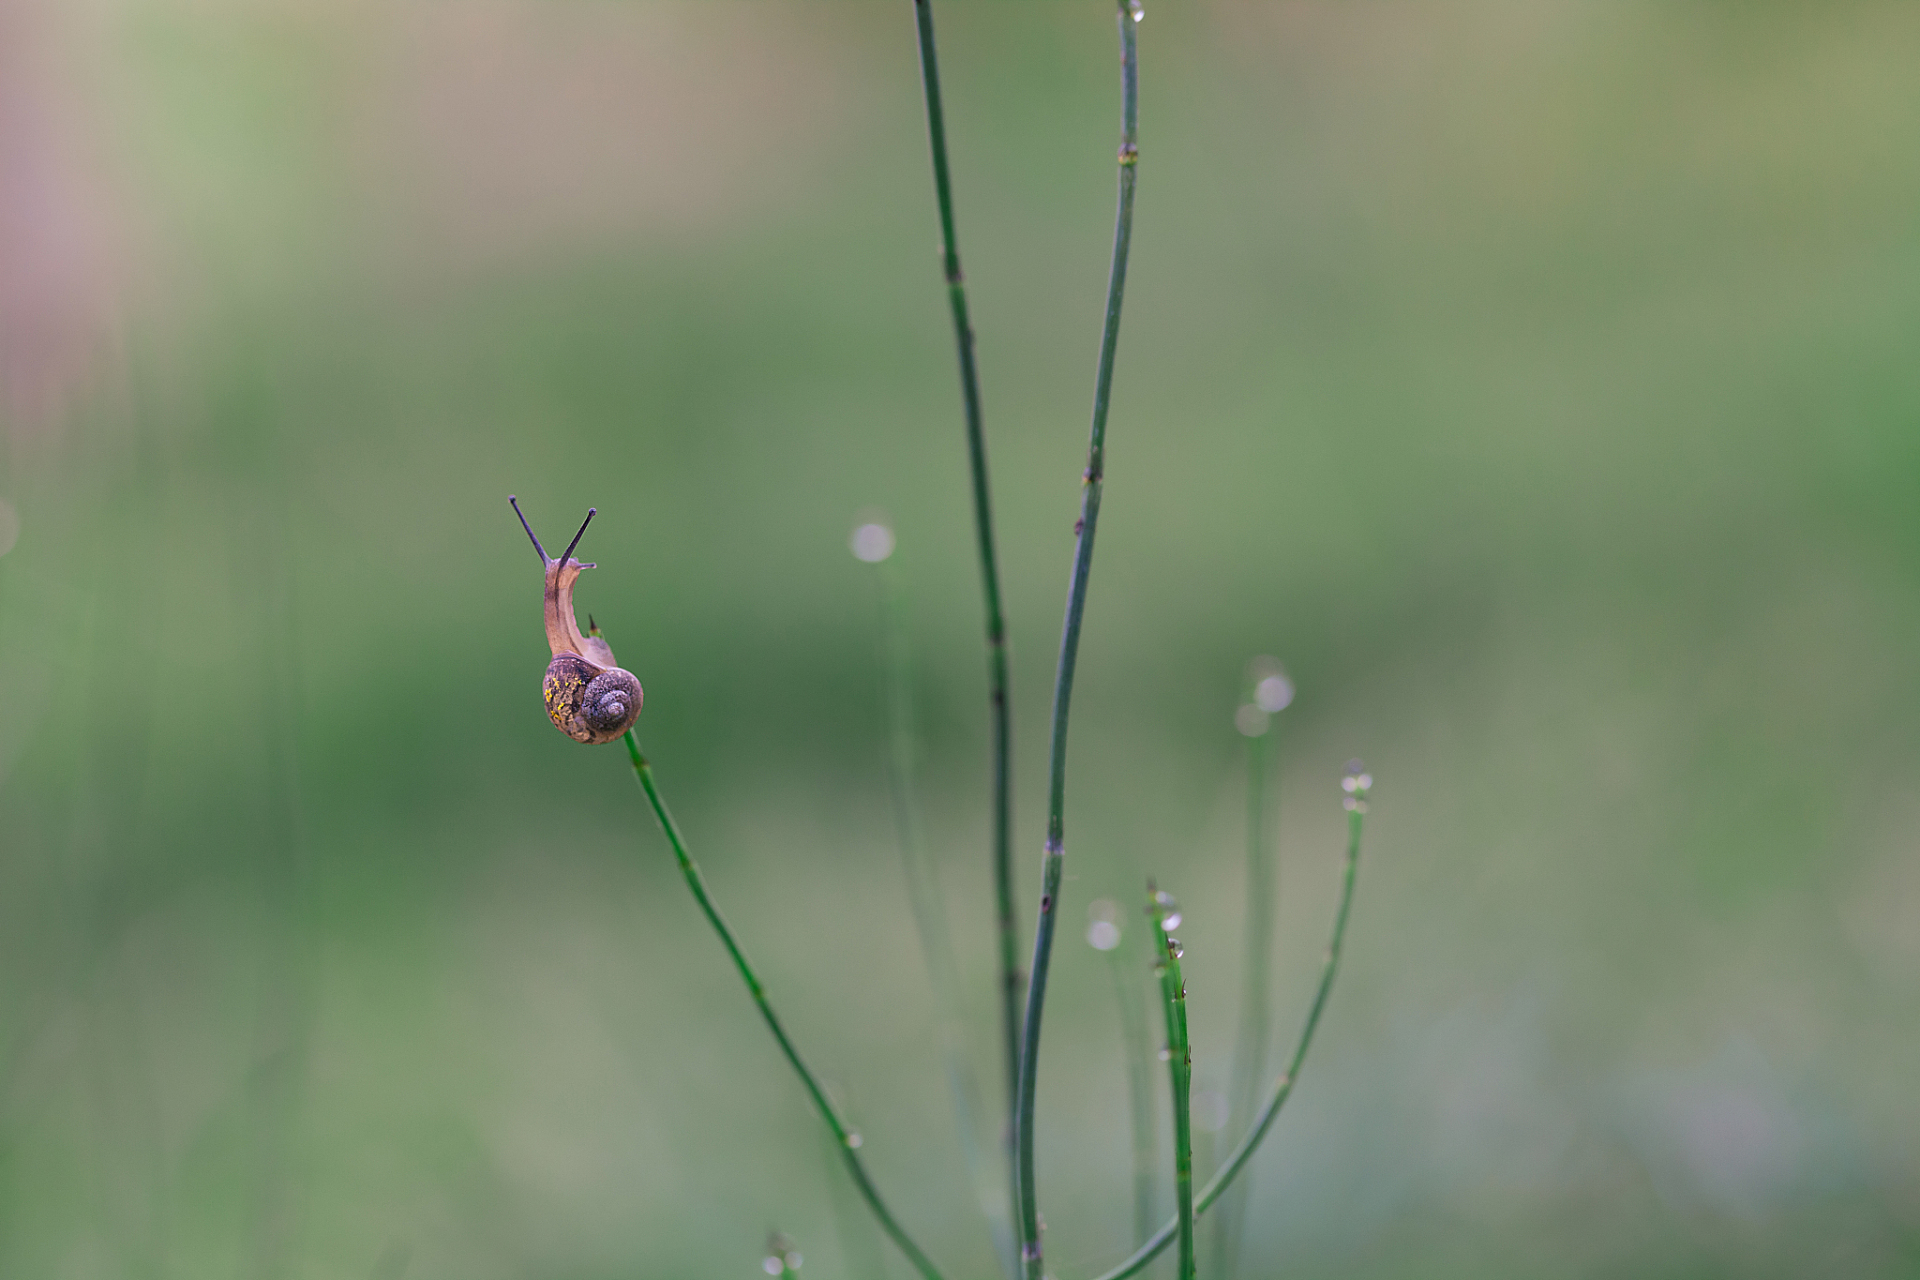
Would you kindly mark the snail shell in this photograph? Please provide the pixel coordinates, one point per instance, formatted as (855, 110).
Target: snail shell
(591, 703)
(589, 697)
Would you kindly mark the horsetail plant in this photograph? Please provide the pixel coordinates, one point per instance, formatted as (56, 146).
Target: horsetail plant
(594, 701)
(847, 1139)
(1357, 783)
(1165, 915)
(1031, 1249)
(998, 694)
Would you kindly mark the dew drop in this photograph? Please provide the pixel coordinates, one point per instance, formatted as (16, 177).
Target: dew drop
(1166, 909)
(1166, 1055)
(1178, 950)
(1103, 935)
(1137, 9)
(854, 1140)
(782, 1258)
(1273, 693)
(1251, 720)
(872, 542)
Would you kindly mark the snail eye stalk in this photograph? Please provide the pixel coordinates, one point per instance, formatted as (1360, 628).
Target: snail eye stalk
(529, 528)
(577, 536)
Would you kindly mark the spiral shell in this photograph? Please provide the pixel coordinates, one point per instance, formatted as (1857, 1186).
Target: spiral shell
(590, 703)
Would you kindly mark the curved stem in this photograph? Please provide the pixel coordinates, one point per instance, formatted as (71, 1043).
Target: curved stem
(846, 1139)
(1002, 712)
(1282, 1087)
(1030, 1246)
(1173, 995)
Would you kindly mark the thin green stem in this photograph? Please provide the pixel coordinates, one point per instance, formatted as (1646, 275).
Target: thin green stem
(860, 1247)
(1282, 1087)
(929, 911)
(997, 681)
(1173, 996)
(1250, 1048)
(1031, 1251)
(845, 1138)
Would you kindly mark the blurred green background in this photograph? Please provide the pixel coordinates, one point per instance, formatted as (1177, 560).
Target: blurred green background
(1537, 380)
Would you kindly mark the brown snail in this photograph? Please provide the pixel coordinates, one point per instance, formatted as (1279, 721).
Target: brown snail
(588, 696)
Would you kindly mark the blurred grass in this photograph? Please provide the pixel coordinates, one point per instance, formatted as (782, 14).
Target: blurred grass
(1536, 380)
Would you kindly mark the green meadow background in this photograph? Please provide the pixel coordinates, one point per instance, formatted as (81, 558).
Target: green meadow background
(1540, 382)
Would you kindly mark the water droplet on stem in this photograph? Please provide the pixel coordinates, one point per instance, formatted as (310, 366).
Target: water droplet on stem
(872, 542)
(1356, 784)
(1274, 693)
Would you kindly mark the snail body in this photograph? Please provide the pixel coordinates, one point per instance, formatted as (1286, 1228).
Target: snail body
(589, 697)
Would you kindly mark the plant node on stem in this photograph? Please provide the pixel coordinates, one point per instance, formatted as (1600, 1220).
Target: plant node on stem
(1029, 1218)
(999, 695)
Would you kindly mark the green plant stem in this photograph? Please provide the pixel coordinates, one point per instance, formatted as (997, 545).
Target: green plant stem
(929, 910)
(1139, 1050)
(1250, 1049)
(997, 681)
(1031, 1251)
(1282, 1087)
(1173, 996)
(845, 1138)
(860, 1247)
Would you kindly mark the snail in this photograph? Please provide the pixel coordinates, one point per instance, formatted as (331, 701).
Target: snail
(589, 698)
